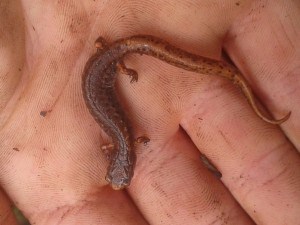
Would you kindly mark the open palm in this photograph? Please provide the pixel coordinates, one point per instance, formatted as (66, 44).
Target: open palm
(52, 167)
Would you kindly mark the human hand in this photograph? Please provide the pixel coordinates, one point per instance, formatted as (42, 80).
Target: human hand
(51, 164)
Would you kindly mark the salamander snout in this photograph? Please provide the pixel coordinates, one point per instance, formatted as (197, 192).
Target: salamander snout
(117, 184)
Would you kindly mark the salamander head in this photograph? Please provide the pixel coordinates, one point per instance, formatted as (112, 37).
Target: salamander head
(119, 173)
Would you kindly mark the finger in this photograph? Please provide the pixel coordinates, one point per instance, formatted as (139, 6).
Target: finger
(273, 62)
(263, 177)
(256, 160)
(267, 51)
(171, 186)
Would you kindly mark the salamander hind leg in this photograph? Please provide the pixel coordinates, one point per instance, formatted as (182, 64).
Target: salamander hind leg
(129, 72)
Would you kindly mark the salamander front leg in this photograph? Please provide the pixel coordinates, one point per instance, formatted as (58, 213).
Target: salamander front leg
(142, 139)
(129, 72)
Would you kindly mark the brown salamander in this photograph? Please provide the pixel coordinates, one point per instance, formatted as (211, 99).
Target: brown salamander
(99, 92)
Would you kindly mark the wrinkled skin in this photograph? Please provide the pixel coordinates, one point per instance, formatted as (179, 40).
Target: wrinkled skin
(51, 165)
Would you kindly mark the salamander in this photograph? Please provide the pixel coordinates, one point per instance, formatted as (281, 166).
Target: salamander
(99, 92)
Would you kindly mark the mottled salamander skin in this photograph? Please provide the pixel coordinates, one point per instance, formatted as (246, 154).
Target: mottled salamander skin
(99, 92)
